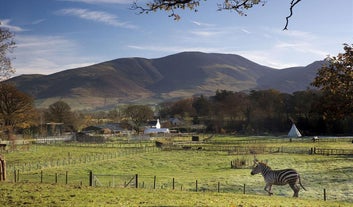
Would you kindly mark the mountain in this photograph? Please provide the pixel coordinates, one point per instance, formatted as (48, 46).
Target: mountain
(141, 80)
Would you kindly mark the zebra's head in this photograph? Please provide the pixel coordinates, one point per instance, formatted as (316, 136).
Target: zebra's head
(255, 168)
(258, 167)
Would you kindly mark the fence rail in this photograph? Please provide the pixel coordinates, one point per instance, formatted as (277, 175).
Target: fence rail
(153, 182)
(319, 151)
(245, 150)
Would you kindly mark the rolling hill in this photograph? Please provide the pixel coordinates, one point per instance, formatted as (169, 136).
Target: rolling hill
(141, 80)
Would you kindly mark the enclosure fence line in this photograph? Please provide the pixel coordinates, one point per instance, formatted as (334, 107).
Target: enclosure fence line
(135, 183)
(31, 166)
(232, 150)
(146, 182)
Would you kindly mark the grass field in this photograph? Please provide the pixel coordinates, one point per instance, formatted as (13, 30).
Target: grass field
(205, 171)
(34, 194)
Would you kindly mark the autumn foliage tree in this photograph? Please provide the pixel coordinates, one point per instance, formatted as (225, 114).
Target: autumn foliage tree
(16, 109)
(137, 115)
(60, 113)
(335, 80)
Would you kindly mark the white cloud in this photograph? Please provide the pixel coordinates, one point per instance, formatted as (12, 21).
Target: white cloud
(172, 49)
(46, 55)
(97, 16)
(38, 21)
(5, 23)
(205, 33)
(202, 24)
(302, 47)
(278, 49)
(269, 59)
(197, 23)
(245, 31)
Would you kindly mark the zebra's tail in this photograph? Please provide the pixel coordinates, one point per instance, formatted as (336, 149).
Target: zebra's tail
(300, 183)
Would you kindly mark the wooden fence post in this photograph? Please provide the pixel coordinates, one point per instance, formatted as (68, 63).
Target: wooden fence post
(2, 168)
(41, 176)
(137, 181)
(244, 189)
(196, 186)
(90, 178)
(154, 182)
(218, 186)
(324, 194)
(66, 177)
(173, 184)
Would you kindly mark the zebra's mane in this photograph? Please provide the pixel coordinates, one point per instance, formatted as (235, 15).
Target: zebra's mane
(262, 163)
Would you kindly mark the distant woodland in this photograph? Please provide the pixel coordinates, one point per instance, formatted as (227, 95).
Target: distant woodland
(260, 113)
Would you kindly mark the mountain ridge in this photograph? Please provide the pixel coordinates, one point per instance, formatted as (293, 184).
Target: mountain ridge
(142, 80)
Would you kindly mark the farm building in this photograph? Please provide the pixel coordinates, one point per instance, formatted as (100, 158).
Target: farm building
(156, 129)
(112, 128)
(176, 121)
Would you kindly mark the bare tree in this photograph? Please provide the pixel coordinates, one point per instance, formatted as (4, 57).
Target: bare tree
(239, 6)
(6, 45)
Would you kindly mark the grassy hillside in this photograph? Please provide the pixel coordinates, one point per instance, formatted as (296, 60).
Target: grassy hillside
(154, 80)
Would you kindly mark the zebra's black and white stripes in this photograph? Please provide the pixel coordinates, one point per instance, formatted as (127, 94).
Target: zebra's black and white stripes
(278, 177)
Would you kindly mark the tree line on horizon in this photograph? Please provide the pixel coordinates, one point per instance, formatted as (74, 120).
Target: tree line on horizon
(259, 112)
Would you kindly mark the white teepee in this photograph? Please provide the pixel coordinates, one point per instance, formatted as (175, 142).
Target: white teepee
(294, 132)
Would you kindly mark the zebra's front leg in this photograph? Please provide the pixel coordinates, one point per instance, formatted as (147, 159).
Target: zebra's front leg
(268, 188)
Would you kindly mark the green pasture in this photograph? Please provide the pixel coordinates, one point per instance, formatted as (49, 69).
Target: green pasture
(34, 194)
(171, 178)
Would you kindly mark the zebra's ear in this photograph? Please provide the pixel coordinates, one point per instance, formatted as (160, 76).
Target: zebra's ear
(256, 161)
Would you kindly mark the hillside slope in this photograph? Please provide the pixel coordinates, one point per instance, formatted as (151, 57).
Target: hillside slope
(142, 80)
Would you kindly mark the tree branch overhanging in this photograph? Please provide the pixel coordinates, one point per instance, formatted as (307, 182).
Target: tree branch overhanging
(232, 5)
(239, 5)
(167, 5)
(292, 5)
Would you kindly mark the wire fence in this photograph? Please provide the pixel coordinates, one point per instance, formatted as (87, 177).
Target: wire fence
(176, 183)
(51, 163)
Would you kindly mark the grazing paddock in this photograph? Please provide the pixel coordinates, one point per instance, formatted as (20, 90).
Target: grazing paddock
(186, 171)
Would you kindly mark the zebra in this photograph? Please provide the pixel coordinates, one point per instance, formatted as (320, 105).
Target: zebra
(277, 177)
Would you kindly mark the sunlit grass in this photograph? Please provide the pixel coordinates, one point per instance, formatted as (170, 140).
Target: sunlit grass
(34, 194)
(209, 169)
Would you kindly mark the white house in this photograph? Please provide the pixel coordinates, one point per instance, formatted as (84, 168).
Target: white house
(156, 129)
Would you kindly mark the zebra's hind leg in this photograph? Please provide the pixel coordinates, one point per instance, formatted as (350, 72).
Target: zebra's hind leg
(268, 188)
(295, 188)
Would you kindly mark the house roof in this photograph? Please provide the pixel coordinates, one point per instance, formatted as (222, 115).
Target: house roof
(112, 126)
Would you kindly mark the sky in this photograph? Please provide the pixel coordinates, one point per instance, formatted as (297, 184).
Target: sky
(55, 35)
